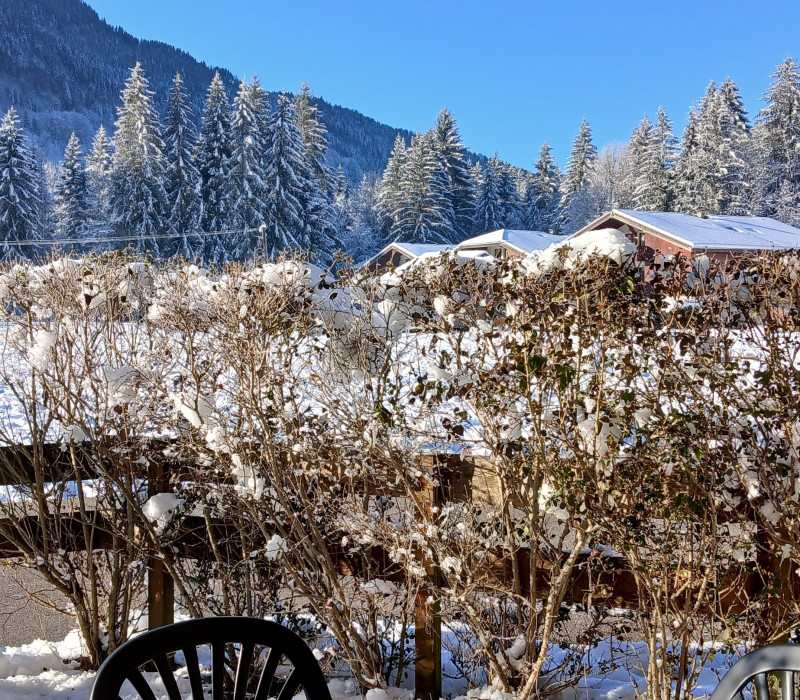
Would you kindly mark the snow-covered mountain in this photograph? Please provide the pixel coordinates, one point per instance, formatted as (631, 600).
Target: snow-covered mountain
(63, 67)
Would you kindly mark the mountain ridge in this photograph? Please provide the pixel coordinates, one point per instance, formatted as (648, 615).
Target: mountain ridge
(63, 66)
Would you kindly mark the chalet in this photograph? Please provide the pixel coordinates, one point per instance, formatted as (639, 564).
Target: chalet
(495, 245)
(508, 243)
(657, 234)
(396, 254)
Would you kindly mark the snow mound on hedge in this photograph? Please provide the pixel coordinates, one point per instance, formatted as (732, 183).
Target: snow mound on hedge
(605, 242)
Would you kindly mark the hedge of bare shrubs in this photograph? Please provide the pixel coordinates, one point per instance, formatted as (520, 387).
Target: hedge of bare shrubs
(625, 438)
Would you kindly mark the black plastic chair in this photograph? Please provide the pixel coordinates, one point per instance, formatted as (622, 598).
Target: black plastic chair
(252, 635)
(755, 668)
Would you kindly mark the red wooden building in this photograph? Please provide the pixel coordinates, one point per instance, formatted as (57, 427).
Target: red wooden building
(657, 234)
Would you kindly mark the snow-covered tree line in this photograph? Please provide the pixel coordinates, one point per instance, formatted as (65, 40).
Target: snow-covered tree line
(431, 192)
(724, 164)
(260, 177)
(250, 179)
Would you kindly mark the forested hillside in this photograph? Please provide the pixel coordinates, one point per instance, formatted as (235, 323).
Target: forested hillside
(62, 68)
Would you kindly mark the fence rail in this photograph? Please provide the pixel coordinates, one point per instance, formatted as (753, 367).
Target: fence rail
(456, 480)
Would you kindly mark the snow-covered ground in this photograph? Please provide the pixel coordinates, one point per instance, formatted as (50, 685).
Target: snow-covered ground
(614, 671)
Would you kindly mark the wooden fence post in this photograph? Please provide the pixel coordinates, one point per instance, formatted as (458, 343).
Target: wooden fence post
(160, 586)
(427, 608)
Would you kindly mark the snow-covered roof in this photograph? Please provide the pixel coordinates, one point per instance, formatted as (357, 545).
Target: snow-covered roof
(417, 249)
(524, 241)
(709, 233)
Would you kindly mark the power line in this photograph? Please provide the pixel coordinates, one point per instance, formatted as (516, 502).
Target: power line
(76, 241)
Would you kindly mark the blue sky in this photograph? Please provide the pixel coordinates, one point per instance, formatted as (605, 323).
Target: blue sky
(515, 74)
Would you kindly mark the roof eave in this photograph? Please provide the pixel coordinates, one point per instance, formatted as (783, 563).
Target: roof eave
(628, 219)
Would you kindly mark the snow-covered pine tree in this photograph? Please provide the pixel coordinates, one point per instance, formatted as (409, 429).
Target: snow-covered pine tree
(390, 187)
(288, 183)
(462, 188)
(342, 221)
(542, 196)
(632, 187)
(424, 212)
(659, 167)
(709, 153)
(46, 174)
(19, 188)
(736, 178)
(71, 200)
(788, 204)
(214, 161)
(182, 178)
(363, 238)
(488, 208)
(138, 199)
(687, 176)
(99, 164)
(314, 136)
(779, 140)
(320, 213)
(248, 183)
(579, 166)
(341, 189)
(510, 200)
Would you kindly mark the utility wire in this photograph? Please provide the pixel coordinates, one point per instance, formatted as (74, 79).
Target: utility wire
(111, 239)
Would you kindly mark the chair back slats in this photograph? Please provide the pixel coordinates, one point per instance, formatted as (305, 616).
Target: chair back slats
(787, 685)
(193, 669)
(218, 670)
(290, 686)
(140, 684)
(761, 685)
(755, 667)
(267, 674)
(167, 677)
(243, 670)
(247, 635)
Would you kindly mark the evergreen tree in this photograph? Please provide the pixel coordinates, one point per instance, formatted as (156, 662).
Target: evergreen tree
(779, 142)
(657, 190)
(488, 207)
(342, 213)
(510, 200)
(461, 187)
(340, 186)
(46, 174)
(19, 188)
(71, 201)
(314, 136)
(424, 212)
(363, 236)
(632, 187)
(214, 162)
(182, 178)
(541, 196)
(249, 187)
(687, 176)
(390, 187)
(320, 213)
(579, 166)
(710, 168)
(735, 186)
(99, 164)
(137, 187)
(287, 183)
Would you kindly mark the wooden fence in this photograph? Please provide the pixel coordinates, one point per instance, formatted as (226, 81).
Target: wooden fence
(457, 479)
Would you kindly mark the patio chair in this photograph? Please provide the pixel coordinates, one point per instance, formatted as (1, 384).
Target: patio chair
(252, 636)
(755, 668)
